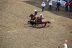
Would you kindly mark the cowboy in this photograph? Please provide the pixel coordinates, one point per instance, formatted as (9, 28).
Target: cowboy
(66, 6)
(50, 6)
(58, 6)
(41, 17)
(35, 13)
(65, 45)
(70, 6)
(43, 6)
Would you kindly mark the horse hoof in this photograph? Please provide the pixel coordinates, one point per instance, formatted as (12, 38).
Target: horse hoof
(34, 25)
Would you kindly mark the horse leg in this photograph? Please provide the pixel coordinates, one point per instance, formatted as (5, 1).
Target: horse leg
(37, 24)
(45, 25)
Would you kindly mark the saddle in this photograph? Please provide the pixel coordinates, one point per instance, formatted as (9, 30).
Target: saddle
(38, 21)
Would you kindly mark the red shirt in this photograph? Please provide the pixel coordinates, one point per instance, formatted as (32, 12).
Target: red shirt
(70, 4)
(67, 4)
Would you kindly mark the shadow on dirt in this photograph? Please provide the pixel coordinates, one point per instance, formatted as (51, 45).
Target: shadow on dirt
(39, 27)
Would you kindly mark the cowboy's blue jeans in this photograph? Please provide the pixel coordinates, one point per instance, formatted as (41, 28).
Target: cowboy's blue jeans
(57, 9)
(66, 8)
(70, 8)
(50, 7)
(43, 8)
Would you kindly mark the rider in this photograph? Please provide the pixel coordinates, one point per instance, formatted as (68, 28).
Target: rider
(41, 17)
(35, 13)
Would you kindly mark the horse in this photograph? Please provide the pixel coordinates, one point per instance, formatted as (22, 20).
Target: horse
(37, 21)
(32, 17)
(43, 22)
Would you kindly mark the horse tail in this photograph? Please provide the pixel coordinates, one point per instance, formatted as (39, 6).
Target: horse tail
(49, 22)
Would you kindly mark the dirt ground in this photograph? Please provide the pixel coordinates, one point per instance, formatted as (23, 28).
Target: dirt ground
(15, 32)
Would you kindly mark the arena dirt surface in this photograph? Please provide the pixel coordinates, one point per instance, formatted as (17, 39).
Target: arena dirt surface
(15, 32)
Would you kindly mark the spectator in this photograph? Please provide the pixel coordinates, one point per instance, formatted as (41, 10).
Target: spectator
(43, 6)
(66, 6)
(70, 6)
(50, 6)
(65, 45)
(58, 6)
